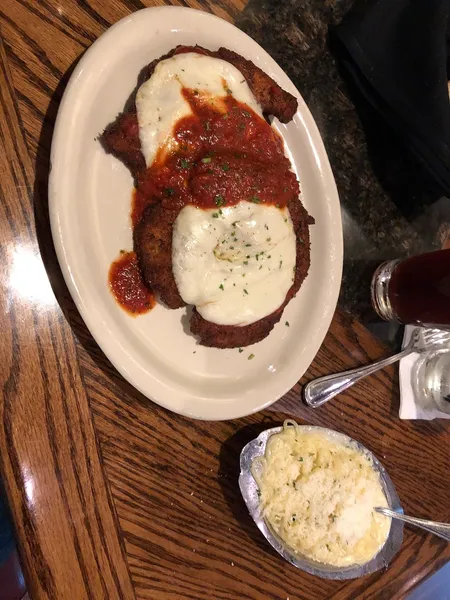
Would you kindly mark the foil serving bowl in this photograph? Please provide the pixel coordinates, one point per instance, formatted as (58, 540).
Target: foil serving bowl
(249, 490)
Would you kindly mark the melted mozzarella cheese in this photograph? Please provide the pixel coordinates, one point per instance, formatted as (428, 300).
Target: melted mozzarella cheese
(235, 264)
(318, 495)
(160, 103)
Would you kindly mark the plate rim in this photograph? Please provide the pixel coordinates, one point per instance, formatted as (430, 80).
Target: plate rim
(326, 176)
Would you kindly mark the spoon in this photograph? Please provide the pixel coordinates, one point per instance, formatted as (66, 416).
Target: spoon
(322, 389)
(440, 529)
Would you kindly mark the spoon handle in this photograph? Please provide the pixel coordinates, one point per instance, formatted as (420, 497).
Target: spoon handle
(322, 389)
(440, 529)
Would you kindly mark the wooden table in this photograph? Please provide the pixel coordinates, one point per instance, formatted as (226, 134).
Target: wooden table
(112, 496)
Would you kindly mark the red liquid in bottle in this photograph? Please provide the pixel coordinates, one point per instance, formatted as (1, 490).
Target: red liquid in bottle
(419, 289)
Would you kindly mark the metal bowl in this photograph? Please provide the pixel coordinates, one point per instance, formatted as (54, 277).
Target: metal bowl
(249, 491)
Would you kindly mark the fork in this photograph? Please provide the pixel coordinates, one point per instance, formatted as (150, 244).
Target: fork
(322, 389)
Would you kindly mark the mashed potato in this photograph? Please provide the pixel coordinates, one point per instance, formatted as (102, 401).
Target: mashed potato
(318, 496)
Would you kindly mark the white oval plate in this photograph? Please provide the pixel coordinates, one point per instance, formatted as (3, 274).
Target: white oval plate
(89, 198)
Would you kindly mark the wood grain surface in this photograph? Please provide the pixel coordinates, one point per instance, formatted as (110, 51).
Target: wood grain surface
(112, 496)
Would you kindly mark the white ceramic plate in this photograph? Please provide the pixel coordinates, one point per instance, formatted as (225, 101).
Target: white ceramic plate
(90, 196)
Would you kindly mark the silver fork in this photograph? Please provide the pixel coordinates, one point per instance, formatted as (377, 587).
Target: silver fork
(322, 389)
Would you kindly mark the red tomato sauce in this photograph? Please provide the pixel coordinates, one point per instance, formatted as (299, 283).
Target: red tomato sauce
(225, 153)
(128, 287)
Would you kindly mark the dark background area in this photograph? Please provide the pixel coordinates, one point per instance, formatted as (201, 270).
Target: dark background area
(389, 207)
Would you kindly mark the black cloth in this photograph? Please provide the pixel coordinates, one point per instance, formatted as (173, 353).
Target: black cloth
(395, 52)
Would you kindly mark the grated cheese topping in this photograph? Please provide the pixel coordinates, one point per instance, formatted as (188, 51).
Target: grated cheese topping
(318, 495)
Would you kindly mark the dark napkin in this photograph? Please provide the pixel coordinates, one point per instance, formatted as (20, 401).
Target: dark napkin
(395, 52)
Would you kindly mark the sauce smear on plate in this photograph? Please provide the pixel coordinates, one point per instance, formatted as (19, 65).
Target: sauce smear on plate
(127, 285)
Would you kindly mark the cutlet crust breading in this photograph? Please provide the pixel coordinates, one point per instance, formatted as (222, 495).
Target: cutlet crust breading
(153, 245)
(121, 137)
(153, 233)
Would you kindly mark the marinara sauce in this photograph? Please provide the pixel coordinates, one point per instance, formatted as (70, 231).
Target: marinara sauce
(224, 153)
(128, 286)
(219, 155)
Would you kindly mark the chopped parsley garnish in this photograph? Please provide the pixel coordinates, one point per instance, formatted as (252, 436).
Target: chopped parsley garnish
(301, 459)
(266, 226)
(250, 356)
(225, 167)
(195, 92)
(245, 262)
(225, 116)
(241, 350)
(169, 191)
(184, 163)
(228, 91)
(246, 113)
(281, 262)
(245, 291)
(221, 286)
(278, 205)
(255, 199)
(268, 239)
(287, 325)
(206, 160)
(219, 200)
(220, 211)
(247, 245)
(216, 216)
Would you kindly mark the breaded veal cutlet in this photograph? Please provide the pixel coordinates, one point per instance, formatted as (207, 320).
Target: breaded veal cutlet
(121, 137)
(153, 234)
